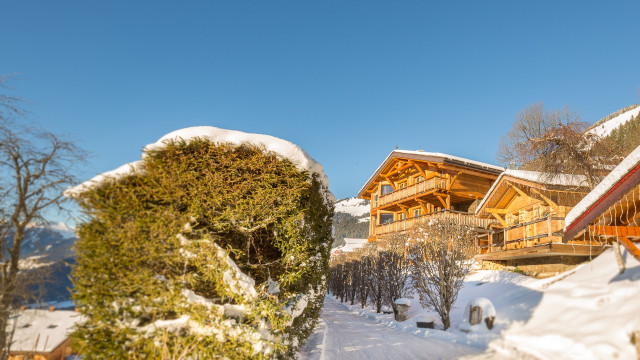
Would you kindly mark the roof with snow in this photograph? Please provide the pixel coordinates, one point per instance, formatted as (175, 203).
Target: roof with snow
(431, 157)
(351, 245)
(536, 178)
(284, 149)
(42, 330)
(622, 179)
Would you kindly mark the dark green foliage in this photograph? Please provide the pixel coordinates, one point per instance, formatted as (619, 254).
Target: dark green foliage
(153, 240)
(626, 137)
(611, 116)
(348, 226)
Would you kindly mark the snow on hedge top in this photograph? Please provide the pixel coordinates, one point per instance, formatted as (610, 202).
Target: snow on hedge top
(604, 186)
(537, 177)
(284, 149)
(603, 130)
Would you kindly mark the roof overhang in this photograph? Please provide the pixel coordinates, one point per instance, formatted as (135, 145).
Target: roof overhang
(611, 196)
(431, 157)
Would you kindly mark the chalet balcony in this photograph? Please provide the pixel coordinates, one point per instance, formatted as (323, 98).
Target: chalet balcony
(541, 237)
(462, 218)
(422, 187)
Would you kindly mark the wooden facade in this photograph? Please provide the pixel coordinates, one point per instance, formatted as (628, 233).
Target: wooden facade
(413, 186)
(530, 210)
(612, 211)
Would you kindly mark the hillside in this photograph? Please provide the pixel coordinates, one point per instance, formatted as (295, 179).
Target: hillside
(46, 257)
(620, 130)
(351, 220)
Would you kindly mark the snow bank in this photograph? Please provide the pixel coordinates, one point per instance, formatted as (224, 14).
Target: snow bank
(284, 149)
(403, 301)
(588, 315)
(488, 311)
(604, 186)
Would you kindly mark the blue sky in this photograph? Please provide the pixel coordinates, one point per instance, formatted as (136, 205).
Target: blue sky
(348, 81)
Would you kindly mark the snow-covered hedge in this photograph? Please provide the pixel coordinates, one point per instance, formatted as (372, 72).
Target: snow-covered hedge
(202, 250)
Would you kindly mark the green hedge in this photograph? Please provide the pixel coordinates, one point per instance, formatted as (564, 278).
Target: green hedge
(166, 256)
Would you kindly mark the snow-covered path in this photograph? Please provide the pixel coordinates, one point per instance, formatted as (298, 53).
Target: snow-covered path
(341, 334)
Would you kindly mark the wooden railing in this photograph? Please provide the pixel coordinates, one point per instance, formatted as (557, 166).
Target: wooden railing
(543, 230)
(458, 217)
(412, 190)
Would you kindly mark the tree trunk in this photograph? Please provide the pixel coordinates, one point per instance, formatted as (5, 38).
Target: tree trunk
(618, 254)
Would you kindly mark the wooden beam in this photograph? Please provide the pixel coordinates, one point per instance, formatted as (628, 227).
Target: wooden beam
(546, 199)
(517, 189)
(630, 246)
(504, 223)
(423, 205)
(615, 231)
(424, 175)
(405, 209)
(634, 219)
(497, 211)
(453, 180)
(442, 201)
(390, 183)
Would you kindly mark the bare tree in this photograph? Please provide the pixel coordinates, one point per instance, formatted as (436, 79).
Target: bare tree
(375, 276)
(441, 254)
(555, 142)
(34, 171)
(396, 268)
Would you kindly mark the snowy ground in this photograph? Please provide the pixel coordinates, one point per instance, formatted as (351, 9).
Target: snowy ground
(342, 334)
(586, 313)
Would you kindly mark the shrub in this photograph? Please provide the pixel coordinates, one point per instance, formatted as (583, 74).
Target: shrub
(207, 251)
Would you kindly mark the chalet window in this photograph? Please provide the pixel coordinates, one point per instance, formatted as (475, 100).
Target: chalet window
(418, 179)
(417, 212)
(386, 218)
(402, 216)
(386, 189)
(375, 200)
(402, 185)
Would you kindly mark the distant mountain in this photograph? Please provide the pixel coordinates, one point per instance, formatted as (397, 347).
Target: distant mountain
(46, 256)
(351, 220)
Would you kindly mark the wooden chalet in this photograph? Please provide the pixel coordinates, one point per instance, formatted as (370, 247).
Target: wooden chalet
(611, 212)
(42, 334)
(530, 208)
(412, 186)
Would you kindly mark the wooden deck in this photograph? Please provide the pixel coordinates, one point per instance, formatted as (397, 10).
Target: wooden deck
(548, 249)
(457, 216)
(423, 187)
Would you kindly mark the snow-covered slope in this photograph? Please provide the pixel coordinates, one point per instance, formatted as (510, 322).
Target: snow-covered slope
(354, 206)
(590, 314)
(604, 129)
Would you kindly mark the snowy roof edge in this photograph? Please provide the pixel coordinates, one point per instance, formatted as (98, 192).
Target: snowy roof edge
(573, 180)
(603, 188)
(453, 158)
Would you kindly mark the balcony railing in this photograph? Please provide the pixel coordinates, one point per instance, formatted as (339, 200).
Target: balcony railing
(412, 190)
(458, 217)
(543, 230)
